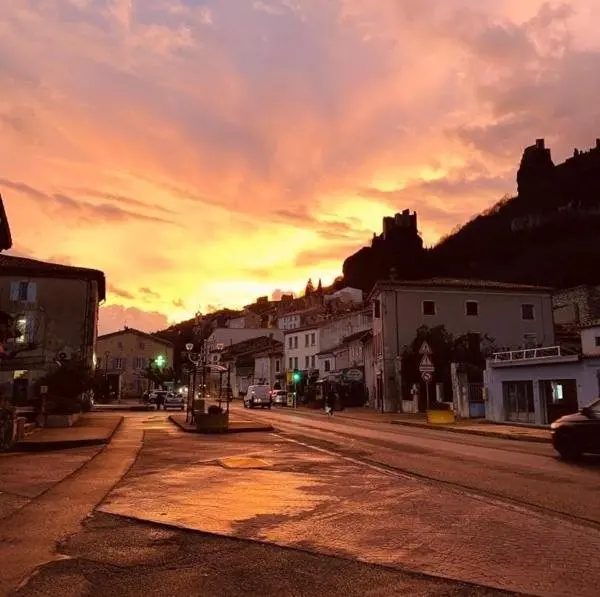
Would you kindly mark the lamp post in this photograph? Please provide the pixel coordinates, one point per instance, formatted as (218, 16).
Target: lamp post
(191, 386)
(106, 354)
(229, 397)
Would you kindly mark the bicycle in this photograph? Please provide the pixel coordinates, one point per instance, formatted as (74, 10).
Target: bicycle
(7, 427)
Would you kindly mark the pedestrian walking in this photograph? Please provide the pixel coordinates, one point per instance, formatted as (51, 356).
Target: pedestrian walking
(330, 403)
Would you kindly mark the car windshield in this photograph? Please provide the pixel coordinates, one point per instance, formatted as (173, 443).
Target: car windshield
(594, 408)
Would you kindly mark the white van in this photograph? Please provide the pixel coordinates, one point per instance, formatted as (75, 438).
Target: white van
(259, 395)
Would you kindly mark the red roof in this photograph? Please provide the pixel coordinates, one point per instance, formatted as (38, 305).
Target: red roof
(22, 266)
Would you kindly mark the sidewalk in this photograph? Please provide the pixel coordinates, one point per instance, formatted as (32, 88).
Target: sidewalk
(123, 406)
(91, 429)
(236, 425)
(468, 426)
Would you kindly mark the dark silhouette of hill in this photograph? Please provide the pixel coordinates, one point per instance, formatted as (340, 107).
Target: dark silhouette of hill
(549, 234)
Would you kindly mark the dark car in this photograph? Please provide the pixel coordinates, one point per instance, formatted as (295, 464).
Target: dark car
(579, 433)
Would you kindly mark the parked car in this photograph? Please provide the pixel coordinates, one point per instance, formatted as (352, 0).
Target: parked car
(258, 395)
(279, 397)
(174, 400)
(578, 433)
(159, 397)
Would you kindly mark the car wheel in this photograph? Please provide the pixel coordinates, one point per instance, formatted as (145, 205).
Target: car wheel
(567, 447)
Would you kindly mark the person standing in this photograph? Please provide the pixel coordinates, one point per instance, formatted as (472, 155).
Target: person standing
(330, 402)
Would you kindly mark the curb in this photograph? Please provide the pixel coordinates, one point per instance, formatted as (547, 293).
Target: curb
(125, 408)
(64, 444)
(496, 434)
(264, 429)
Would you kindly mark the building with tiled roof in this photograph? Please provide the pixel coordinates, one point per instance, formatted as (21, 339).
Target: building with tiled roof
(54, 314)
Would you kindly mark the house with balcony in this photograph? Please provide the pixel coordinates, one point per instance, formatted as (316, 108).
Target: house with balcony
(54, 309)
(539, 385)
(123, 356)
(515, 316)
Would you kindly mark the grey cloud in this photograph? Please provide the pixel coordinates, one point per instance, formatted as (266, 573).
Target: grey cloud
(120, 292)
(86, 211)
(123, 199)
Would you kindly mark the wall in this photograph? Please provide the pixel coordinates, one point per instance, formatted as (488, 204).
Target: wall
(499, 315)
(61, 315)
(369, 370)
(301, 350)
(134, 352)
(576, 305)
(265, 367)
(588, 341)
(227, 337)
(585, 372)
(333, 331)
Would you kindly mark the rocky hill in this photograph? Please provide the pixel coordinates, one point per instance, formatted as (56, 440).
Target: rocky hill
(549, 234)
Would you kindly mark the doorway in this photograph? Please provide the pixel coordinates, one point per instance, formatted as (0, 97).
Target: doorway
(559, 398)
(518, 401)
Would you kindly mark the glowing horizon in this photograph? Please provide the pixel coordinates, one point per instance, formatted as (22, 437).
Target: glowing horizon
(205, 154)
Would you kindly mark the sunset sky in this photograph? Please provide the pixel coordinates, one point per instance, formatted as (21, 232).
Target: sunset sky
(206, 152)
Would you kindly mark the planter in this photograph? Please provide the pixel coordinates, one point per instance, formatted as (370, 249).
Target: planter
(57, 420)
(440, 417)
(213, 423)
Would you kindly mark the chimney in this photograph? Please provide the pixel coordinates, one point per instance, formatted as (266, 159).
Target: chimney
(540, 144)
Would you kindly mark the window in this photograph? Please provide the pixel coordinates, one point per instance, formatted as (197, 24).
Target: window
(277, 366)
(295, 341)
(527, 312)
(120, 345)
(472, 308)
(296, 362)
(306, 338)
(291, 342)
(291, 363)
(21, 330)
(23, 292)
(306, 362)
(428, 307)
(327, 366)
(118, 363)
(597, 340)
(377, 308)
(313, 339)
(312, 362)
(142, 345)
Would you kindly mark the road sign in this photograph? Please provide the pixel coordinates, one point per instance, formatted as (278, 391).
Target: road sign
(426, 364)
(425, 348)
(426, 376)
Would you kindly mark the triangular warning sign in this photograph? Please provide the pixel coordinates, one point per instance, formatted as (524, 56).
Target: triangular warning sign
(425, 362)
(425, 348)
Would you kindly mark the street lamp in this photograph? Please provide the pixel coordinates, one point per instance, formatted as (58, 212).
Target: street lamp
(191, 386)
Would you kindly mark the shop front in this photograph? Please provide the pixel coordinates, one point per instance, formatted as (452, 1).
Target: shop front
(539, 391)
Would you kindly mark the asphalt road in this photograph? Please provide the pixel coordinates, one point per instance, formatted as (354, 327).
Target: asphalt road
(524, 473)
(300, 512)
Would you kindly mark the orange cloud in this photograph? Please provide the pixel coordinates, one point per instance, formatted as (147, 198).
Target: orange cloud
(212, 152)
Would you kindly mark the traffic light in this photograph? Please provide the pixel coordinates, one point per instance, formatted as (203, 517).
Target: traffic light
(160, 361)
(296, 376)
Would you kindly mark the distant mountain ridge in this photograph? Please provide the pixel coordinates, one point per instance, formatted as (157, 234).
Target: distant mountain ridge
(549, 234)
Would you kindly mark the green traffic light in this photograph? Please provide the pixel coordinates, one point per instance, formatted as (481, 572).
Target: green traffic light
(296, 376)
(160, 360)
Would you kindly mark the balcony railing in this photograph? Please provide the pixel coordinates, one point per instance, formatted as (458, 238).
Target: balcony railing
(546, 352)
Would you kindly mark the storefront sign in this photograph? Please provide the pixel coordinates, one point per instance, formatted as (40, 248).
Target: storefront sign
(353, 375)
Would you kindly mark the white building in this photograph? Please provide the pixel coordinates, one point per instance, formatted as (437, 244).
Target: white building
(300, 318)
(346, 295)
(301, 347)
(537, 386)
(248, 320)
